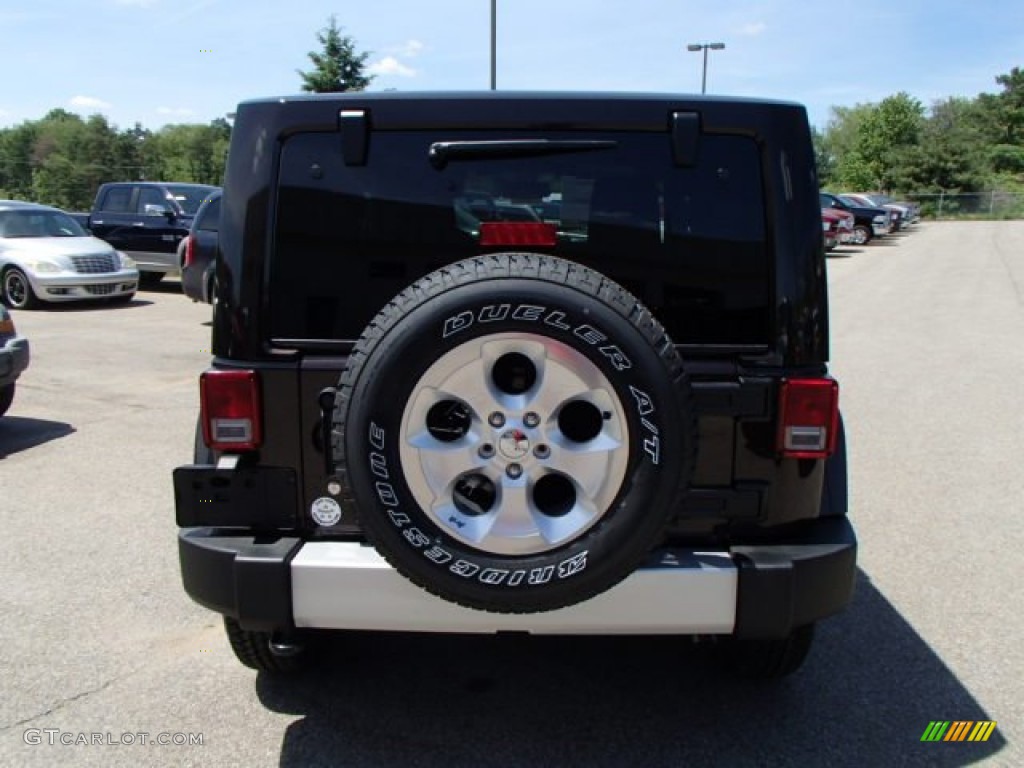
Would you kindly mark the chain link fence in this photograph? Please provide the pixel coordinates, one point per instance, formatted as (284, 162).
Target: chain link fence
(981, 205)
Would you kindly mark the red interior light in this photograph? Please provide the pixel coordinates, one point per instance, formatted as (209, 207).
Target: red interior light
(505, 233)
(230, 402)
(808, 418)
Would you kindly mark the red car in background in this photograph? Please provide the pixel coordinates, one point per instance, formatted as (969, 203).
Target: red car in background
(837, 227)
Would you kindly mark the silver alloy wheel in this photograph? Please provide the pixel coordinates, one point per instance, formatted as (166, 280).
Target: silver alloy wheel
(16, 289)
(514, 444)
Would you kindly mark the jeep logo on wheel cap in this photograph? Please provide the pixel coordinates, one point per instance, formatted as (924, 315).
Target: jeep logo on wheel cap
(514, 444)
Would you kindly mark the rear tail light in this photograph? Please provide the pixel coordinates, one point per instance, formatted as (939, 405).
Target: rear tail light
(190, 247)
(808, 418)
(230, 402)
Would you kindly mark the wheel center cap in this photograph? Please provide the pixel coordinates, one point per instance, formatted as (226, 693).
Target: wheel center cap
(514, 444)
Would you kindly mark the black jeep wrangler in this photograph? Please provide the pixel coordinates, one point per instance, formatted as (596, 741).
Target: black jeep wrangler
(552, 363)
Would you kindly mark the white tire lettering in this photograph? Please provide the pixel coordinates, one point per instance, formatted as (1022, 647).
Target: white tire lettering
(459, 322)
(416, 537)
(557, 320)
(398, 518)
(528, 312)
(387, 495)
(492, 576)
(464, 568)
(376, 437)
(590, 334)
(541, 575)
(616, 357)
(573, 565)
(492, 313)
(516, 578)
(379, 466)
(437, 555)
(644, 404)
(652, 446)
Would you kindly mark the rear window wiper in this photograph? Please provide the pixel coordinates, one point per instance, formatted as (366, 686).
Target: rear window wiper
(443, 152)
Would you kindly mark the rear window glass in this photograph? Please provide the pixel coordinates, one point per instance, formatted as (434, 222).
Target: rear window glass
(689, 242)
(208, 219)
(189, 197)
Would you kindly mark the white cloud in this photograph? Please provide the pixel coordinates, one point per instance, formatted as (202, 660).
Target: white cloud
(753, 29)
(175, 111)
(389, 65)
(410, 49)
(88, 102)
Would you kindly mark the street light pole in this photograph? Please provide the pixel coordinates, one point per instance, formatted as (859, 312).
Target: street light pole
(494, 45)
(705, 47)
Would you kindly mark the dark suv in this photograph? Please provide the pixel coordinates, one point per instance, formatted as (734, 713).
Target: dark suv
(426, 413)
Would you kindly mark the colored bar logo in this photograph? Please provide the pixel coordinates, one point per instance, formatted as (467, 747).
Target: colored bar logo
(958, 730)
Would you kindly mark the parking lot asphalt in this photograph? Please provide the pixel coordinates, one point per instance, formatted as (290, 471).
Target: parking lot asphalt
(99, 638)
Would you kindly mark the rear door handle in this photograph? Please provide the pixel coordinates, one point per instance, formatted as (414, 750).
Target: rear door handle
(139, 224)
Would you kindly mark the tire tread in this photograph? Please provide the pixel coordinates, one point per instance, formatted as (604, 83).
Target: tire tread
(253, 650)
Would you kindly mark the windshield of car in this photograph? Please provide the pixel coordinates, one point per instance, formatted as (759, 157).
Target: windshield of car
(690, 242)
(39, 223)
(851, 201)
(190, 197)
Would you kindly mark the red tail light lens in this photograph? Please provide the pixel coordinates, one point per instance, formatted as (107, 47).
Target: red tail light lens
(231, 413)
(504, 233)
(190, 245)
(808, 418)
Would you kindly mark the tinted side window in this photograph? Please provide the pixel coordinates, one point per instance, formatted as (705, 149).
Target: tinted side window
(117, 200)
(150, 197)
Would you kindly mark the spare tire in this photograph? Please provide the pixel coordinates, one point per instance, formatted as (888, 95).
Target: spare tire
(515, 431)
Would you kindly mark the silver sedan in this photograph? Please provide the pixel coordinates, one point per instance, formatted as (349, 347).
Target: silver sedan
(45, 255)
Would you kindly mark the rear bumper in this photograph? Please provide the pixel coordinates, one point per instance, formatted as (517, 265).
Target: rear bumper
(755, 590)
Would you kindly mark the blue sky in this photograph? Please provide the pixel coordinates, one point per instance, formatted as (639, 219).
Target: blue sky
(172, 61)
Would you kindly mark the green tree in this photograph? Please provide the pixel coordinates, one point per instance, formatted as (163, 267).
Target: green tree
(62, 159)
(952, 152)
(846, 166)
(128, 152)
(67, 157)
(823, 158)
(337, 67)
(886, 135)
(15, 160)
(187, 153)
(1005, 110)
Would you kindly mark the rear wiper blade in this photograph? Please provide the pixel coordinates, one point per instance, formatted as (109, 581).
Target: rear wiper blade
(443, 152)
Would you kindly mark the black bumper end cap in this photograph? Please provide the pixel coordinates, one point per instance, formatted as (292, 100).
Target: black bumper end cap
(787, 585)
(245, 577)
